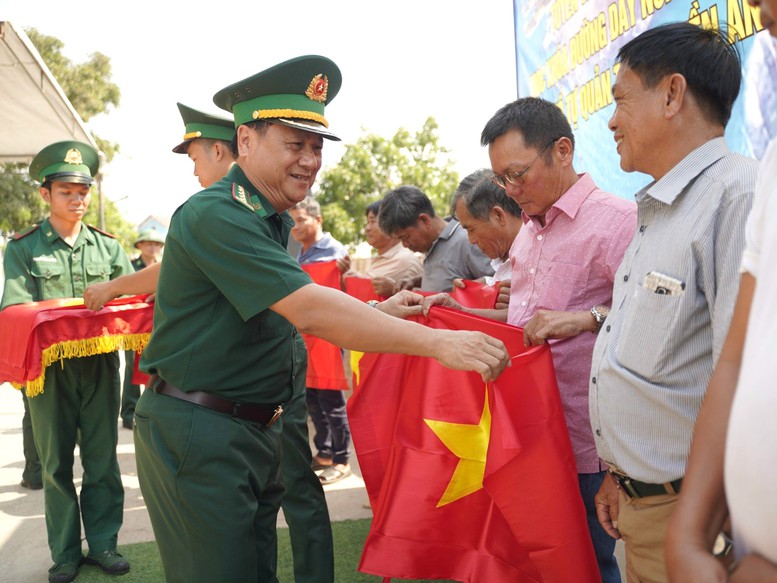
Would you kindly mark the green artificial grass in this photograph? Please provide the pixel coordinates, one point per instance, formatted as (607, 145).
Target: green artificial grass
(146, 566)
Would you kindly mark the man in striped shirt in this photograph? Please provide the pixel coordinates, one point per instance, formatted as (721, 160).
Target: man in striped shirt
(674, 292)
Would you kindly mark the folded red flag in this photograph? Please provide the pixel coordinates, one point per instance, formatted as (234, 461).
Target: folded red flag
(36, 334)
(469, 481)
(325, 360)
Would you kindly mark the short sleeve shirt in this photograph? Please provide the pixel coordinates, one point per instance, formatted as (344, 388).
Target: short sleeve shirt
(452, 256)
(41, 266)
(225, 264)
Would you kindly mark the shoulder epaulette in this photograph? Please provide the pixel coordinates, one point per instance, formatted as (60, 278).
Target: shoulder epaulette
(106, 233)
(26, 232)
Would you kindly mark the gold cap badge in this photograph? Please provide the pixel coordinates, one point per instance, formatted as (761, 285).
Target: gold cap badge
(73, 156)
(317, 88)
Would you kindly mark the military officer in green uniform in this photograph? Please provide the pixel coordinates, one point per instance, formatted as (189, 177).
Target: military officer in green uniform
(58, 259)
(150, 243)
(225, 352)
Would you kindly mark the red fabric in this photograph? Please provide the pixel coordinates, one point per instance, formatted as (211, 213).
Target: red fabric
(475, 294)
(361, 288)
(325, 360)
(30, 328)
(138, 376)
(526, 524)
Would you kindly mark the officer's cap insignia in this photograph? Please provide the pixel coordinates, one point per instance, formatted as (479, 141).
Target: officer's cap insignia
(73, 156)
(318, 88)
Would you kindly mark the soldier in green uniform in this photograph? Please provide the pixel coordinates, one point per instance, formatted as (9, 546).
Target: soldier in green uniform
(207, 141)
(58, 259)
(304, 504)
(150, 243)
(225, 353)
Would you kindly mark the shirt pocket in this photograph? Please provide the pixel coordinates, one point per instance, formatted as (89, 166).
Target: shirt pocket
(645, 340)
(267, 325)
(98, 272)
(50, 280)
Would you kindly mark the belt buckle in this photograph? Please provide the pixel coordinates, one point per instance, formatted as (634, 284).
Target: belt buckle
(625, 483)
(275, 416)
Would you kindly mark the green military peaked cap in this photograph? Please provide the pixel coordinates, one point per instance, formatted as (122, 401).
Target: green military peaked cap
(150, 235)
(69, 161)
(203, 125)
(292, 93)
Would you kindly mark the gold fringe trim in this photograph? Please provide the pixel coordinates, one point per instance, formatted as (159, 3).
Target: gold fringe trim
(292, 113)
(85, 347)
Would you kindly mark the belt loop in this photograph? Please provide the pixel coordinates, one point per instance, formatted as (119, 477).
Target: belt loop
(236, 409)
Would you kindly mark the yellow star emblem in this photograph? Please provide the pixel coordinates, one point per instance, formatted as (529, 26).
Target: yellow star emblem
(470, 444)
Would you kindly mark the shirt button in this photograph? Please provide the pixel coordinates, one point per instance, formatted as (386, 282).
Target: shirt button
(76, 277)
(625, 278)
(593, 380)
(531, 270)
(523, 303)
(539, 237)
(642, 228)
(599, 433)
(607, 328)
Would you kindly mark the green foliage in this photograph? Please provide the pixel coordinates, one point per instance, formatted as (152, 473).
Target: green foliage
(373, 166)
(87, 85)
(20, 203)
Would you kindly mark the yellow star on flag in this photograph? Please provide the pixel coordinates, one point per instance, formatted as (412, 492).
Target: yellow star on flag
(470, 444)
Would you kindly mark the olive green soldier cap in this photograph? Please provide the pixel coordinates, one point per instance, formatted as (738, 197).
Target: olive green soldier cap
(69, 161)
(203, 125)
(149, 235)
(292, 93)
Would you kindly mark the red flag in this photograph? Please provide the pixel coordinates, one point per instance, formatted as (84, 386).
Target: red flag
(325, 360)
(468, 481)
(36, 334)
(475, 294)
(361, 288)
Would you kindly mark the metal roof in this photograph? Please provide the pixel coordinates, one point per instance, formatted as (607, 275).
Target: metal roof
(34, 111)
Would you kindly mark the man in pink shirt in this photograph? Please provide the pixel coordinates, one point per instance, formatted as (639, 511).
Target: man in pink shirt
(563, 266)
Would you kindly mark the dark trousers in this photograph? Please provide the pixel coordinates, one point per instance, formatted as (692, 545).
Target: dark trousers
(604, 544)
(333, 434)
(32, 470)
(130, 393)
(79, 404)
(212, 487)
(304, 505)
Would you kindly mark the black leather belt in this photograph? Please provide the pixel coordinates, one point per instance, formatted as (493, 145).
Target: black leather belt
(637, 489)
(264, 414)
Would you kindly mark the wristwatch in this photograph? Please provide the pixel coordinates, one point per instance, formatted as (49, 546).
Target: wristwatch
(600, 315)
(373, 303)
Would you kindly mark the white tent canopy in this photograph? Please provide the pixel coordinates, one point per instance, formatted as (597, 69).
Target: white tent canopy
(34, 111)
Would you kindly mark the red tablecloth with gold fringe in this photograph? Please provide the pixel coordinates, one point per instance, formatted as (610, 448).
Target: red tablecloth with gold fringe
(36, 334)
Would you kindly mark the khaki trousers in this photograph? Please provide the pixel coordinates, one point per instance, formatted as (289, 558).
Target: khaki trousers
(643, 523)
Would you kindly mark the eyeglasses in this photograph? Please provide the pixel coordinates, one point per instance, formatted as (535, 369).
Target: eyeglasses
(501, 180)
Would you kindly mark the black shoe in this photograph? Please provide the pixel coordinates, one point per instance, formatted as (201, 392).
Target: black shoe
(30, 485)
(109, 561)
(126, 423)
(63, 572)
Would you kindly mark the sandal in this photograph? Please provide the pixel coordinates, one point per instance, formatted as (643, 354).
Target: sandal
(317, 465)
(333, 474)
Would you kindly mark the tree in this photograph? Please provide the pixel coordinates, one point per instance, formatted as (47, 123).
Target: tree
(373, 166)
(88, 87)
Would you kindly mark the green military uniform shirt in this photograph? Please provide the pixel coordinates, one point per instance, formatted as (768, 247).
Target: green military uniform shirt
(138, 264)
(40, 266)
(225, 264)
